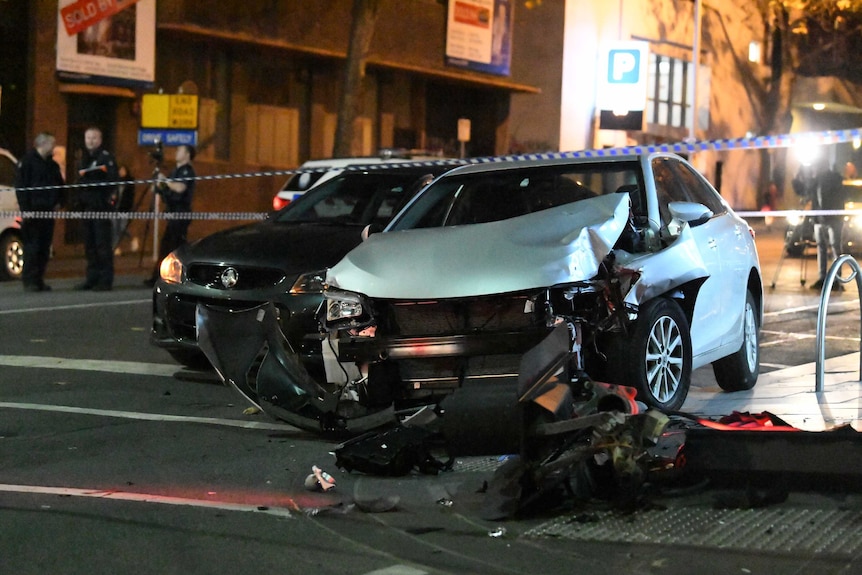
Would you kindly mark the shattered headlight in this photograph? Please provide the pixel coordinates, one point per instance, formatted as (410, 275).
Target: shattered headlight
(311, 282)
(171, 269)
(344, 309)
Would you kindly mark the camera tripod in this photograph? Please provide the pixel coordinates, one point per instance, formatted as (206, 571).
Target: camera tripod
(153, 193)
(793, 246)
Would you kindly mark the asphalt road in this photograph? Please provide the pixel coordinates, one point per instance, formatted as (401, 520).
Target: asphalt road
(115, 460)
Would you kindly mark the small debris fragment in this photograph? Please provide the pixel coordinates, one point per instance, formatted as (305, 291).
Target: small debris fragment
(497, 532)
(325, 480)
(444, 502)
(253, 410)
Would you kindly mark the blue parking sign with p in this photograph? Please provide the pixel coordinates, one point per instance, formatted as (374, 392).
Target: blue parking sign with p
(624, 66)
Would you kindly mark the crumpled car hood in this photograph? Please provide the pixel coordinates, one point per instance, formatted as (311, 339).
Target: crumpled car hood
(553, 246)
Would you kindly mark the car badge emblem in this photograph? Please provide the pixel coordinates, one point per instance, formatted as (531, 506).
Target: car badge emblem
(229, 277)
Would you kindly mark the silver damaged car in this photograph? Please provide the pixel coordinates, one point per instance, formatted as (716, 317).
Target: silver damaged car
(647, 268)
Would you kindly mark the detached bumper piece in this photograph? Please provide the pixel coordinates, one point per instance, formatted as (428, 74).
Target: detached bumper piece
(251, 354)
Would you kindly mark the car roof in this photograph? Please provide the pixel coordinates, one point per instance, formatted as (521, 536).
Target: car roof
(532, 162)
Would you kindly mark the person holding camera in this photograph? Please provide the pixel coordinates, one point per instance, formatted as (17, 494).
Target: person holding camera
(823, 186)
(97, 166)
(177, 190)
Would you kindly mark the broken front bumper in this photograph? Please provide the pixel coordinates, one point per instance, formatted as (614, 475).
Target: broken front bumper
(251, 354)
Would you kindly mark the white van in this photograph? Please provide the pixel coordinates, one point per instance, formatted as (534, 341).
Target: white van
(300, 183)
(11, 243)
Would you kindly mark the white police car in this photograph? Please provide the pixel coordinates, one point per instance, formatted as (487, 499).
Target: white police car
(11, 244)
(323, 170)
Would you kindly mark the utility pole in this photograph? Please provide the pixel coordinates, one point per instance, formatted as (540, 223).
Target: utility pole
(695, 60)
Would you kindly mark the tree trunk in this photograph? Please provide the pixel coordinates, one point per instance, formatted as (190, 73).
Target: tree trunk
(361, 34)
(779, 99)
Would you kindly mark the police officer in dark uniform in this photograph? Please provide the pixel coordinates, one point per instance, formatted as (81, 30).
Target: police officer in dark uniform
(38, 169)
(97, 166)
(177, 190)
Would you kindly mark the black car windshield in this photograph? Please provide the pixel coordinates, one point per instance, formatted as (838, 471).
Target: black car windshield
(508, 193)
(355, 197)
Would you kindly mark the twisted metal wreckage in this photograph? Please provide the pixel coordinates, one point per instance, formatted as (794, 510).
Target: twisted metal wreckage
(568, 429)
(572, 435)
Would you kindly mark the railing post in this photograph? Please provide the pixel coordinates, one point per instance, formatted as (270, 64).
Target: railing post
(831, 276)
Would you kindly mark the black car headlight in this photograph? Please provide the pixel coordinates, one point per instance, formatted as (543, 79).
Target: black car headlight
(171, 270)
(345, 309)
(311, 282)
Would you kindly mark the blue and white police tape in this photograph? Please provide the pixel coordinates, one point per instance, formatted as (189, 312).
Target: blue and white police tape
(257, 216)
(62, 215)
(724, 144)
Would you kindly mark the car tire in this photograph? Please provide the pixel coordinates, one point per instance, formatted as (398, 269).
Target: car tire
(190, 358)
(656, 358)
(12, 248)
(739, 370)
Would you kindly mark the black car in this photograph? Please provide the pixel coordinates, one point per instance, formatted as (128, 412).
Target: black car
(281, 259)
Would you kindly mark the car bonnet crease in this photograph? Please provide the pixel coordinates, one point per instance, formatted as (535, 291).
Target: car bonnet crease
(553, 246)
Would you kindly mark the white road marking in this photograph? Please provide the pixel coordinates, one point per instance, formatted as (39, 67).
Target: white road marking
(99, 304)
(131, 367)
(850, 304)
(397, 570)
(775, 365)
(150, 416)
(144, 498)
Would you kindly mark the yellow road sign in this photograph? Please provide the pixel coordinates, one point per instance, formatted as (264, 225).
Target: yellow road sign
(169, 111)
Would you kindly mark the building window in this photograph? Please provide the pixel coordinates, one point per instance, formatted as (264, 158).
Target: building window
(669, 91)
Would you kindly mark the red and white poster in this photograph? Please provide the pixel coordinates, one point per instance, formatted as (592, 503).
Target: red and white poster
(109, 42)
(478, 35)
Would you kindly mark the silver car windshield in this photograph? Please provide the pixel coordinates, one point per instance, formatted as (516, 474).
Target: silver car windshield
(503, 194)
(358, 197)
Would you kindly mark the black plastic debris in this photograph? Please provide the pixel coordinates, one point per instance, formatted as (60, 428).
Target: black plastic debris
(796, 460)
(394, 452)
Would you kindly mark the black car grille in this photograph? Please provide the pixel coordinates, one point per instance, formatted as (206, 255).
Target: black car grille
(247, 277)
(449, 317)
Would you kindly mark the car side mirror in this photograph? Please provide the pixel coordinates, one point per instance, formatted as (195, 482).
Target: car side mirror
(691, 213)
(371, 229)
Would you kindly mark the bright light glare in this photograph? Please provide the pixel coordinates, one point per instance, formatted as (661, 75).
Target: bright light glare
(754, 52)
(807, 152)
(794, 219)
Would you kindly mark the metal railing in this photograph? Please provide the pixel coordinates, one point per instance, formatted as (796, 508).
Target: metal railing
(831, 276)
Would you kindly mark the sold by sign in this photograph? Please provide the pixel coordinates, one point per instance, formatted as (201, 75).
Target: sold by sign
(82, 14)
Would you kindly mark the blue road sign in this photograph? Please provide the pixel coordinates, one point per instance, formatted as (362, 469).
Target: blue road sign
(149, 137)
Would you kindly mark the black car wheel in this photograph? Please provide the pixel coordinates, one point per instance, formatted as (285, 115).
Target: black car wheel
(739, 371)
(656, 358)
(12, 249)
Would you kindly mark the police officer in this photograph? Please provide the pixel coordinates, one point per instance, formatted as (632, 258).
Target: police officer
(177, 189)
(38, 169)
(97, 166)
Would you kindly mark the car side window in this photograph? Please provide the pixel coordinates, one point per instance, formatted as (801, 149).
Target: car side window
(667, 187)
(698, 190)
